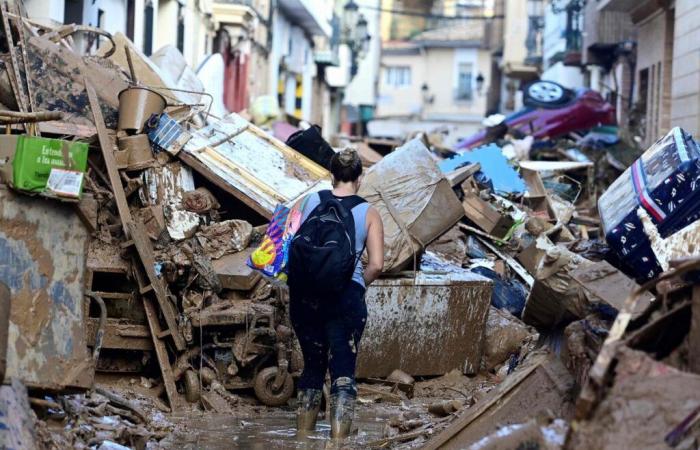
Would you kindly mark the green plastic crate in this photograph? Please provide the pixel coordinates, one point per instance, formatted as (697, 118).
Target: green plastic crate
(35, 157)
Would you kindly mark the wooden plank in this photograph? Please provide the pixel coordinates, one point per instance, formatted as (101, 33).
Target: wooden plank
(25, 60)
(162, 354)
(459, 175)
(544, 386)
(14, 75)
(203, 170)
(515, 265)
(108, 155)
(61, 128)
(119, 335)
(145, 251)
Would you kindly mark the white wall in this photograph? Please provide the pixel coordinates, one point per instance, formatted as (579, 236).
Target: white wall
(45, 11)
(567, 76)
(166, 30)
(299, 60)
(553, 40)
(114, 16)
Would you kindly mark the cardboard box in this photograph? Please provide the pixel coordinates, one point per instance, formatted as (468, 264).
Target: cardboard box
(536, 196)
(483, 214)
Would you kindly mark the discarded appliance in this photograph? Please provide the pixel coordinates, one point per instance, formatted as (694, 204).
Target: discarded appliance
(415, 201)
(663, 182)
(427, 325)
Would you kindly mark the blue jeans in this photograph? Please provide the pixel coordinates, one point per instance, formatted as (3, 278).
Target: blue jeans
(329, 332)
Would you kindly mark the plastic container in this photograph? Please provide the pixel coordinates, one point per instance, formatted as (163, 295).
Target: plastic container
(136, 105)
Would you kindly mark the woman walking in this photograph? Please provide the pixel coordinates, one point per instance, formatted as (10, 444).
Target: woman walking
(327, 283)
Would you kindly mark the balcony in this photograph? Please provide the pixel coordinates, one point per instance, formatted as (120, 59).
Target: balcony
(638, 9)
(311, 15)
(237, 13)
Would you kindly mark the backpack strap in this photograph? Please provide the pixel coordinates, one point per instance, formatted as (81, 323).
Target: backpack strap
(324, 196)
(349, 202)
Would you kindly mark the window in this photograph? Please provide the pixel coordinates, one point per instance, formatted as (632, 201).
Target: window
(148, 29)
(464, 82)
(180, 28)
(397, 76)
(100, 24)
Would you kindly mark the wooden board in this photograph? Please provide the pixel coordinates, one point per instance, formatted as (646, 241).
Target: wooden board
(541, 388)
(145, 250)
(166, 370)
(107, 147)
(119, 335)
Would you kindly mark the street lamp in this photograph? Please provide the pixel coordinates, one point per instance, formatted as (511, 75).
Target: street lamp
(349, 18)
(355, 33)
(479, 83)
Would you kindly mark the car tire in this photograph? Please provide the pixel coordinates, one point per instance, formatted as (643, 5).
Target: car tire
(546, 94)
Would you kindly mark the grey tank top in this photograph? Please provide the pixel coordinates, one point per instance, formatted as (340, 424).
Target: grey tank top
(359, 215)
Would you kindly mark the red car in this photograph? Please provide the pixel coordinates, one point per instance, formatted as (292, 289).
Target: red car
(552, 111)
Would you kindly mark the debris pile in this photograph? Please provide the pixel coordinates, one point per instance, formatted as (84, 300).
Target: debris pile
(134, 223)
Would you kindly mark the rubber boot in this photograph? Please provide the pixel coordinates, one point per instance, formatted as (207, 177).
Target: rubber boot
(308, 405)
(342, 411)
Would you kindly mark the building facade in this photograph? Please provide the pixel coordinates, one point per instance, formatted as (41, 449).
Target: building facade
(439, 77)
(650, 52)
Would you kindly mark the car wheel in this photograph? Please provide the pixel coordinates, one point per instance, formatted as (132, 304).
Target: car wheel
(546, 94)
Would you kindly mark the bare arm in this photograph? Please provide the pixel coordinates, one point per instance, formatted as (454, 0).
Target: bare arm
(375, 246)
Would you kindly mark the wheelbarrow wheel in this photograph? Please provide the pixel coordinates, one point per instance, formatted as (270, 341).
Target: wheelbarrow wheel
(265, 390)
(192, 391)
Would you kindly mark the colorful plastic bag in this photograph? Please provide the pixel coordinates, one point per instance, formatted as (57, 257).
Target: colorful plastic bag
(272, 254)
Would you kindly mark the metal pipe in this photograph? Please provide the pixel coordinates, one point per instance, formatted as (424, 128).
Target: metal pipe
(100, 326)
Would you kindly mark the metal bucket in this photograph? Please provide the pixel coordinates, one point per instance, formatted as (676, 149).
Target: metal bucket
(136, 105)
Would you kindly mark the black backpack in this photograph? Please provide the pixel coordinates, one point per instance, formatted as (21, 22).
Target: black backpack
(322, 256)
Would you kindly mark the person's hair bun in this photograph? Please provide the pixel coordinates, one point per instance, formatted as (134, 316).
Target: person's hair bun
(348, 157)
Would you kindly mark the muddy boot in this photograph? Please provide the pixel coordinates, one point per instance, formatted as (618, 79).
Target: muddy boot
(342, 411)
(308, 404)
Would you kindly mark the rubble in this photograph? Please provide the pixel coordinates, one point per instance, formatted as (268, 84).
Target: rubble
(509, 305)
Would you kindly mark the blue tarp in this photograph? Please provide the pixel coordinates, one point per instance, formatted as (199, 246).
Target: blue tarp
(494, 166)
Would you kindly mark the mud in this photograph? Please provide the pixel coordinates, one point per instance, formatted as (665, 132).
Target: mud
(273, 429)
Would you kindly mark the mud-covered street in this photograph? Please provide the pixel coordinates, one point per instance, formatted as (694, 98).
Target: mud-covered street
(350, 224)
